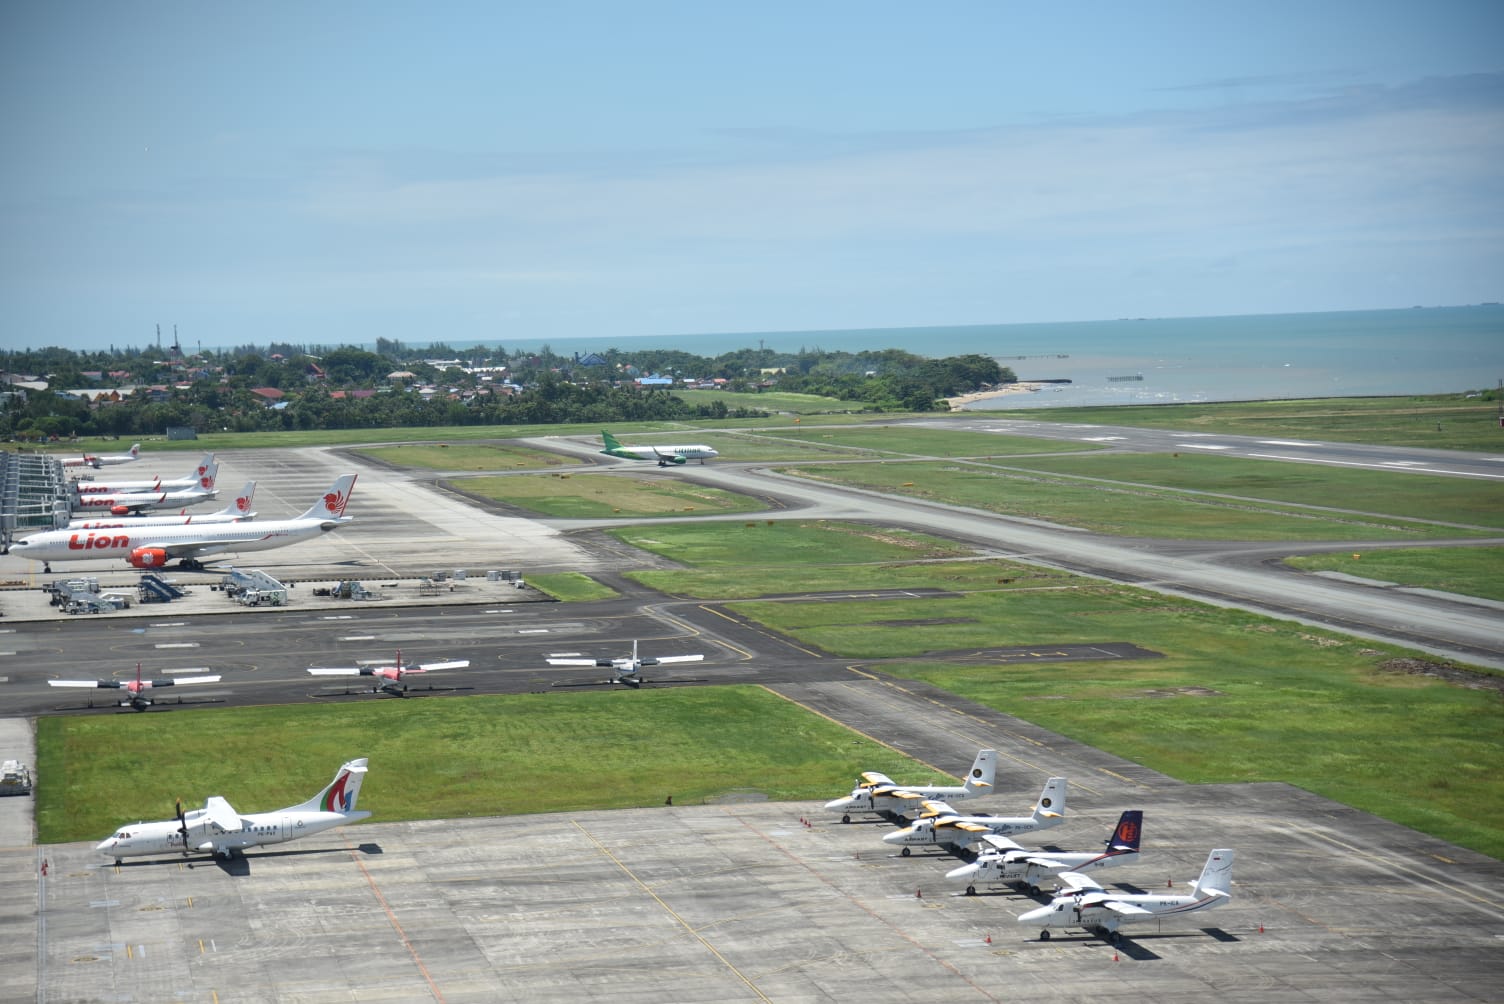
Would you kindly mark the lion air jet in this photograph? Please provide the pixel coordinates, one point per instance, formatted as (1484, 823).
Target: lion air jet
(389, 678)
(154, 546)
(122, 502)
(880, 795)
(218, 829)
(238, 509)
(941, 825)
(627, 668)
(190, 480)
(999, 865)
(1087, 905)
(135, 690)
(104, 460)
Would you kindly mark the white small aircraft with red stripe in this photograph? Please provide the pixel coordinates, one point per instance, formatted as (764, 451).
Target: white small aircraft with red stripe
(97, 461)
(390, 678)
(135, 690)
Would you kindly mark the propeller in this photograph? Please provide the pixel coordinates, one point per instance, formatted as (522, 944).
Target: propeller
(183, 826)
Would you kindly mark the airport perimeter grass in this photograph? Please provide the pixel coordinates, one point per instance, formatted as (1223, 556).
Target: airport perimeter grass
(1441, 421)
(587, 495)
(468, 457)
(441, 759)
(1135, 511)
(571, 587)
(1472, 571)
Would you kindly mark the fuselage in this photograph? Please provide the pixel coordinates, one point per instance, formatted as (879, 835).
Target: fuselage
(1027, 867)
(894, 799)
(257, 828)
(959, 831)
(83, 545)
(1088, 910)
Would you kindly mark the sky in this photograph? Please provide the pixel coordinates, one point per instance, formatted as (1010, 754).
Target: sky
(332, 173)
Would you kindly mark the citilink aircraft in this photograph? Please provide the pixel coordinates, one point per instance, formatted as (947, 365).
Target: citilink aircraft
(941, 825)
(665, 455)
(1013, 865)
(878, 794)
(218, 829)
(1087, 905)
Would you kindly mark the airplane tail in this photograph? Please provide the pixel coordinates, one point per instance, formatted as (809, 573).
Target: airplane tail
(340, 794)
(199, 472)
(135, 451)
(1051, 804)
(983, 770)
(609, 441)
(1125, 835)
(331, 505)
(210, 472)
(240, 505)
(1216, 877)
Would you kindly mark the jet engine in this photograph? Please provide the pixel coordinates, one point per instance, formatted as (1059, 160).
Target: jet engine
(120, 510)
(148, 557)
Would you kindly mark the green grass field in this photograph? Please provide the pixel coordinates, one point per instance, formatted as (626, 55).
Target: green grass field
(1126, 510)
(440, 759)
(468, 457)
(581, 496)
(571, 587)
(1472, 571)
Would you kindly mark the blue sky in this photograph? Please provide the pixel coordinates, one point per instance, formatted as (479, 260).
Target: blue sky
(323, 173)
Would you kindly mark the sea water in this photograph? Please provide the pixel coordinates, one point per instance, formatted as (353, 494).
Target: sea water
(1430, 350)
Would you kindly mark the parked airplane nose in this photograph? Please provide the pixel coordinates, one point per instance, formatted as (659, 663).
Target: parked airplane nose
(837, 804)
(1036, 916)
(898, 836)
(963, 874)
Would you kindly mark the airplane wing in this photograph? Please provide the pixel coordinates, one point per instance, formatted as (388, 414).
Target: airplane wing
(602, 663)
(1044, 862)
(334, 670)
(184, 680)
(429, 667)
(83, 683)
(875, 777)
(219, 812)
(1000, 843)
(672, 658)
(972, 827)
(935, 807)
(1076, 882)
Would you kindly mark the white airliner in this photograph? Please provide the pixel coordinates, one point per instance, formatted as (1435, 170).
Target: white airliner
(154, 546)
(941, 825)
(878, 794)
(1087, 905)
(1026, 869)
(123, 502)
(238, 509)
(218, 829)
(135, 690)
(627, 667)
(665, 455)
(389, 677)
(190, 480)
(104, 460)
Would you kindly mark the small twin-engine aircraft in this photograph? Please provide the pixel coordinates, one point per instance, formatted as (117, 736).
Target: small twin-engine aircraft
(135, 690)
(1089, 906)
(218, 829)
(941, 825)
(389, 677)
(156, 484)
(665, 455)
(878, 794)
(238, 509)
(97, 461)
(998, 865)
(627, 668)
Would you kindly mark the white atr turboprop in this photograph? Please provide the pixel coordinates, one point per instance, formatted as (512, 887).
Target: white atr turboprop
(122, 502)
(1087, 905)
(218, 829)
(156, 484)
(627, 668)
(878, 794)
(941, 825)
(154, 546)
(104, 460)
(389, 678)
(1026, 869)
(238, 509)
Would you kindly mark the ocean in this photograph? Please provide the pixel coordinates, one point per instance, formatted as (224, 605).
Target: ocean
(1361, 353)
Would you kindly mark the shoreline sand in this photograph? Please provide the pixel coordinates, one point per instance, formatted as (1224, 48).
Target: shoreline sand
(1021, 387)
